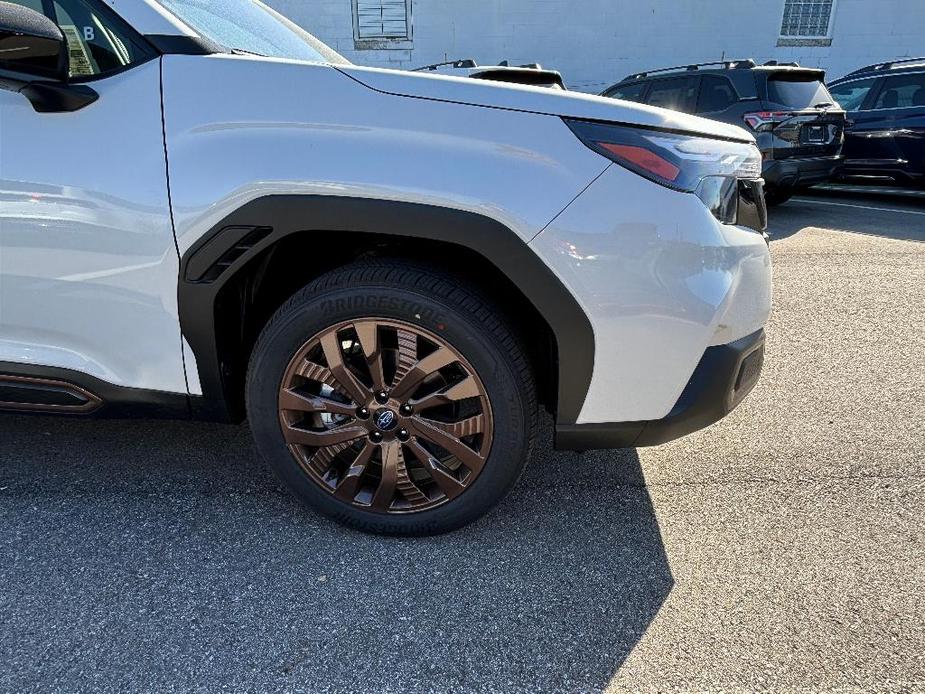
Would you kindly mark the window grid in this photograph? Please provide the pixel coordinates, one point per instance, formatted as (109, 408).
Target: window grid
(382, 19)
(807, 19)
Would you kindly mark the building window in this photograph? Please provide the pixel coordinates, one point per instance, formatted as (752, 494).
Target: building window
(382, 20)
(807, 19)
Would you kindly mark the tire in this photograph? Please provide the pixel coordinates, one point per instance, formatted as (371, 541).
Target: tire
(358, 319)
(778, 196)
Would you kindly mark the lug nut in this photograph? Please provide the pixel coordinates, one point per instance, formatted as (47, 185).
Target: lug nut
(403, 435)
(406, 410)
(382, 397)
(375, 437)
(362, 413)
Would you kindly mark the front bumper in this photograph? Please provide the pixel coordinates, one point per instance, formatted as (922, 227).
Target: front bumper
(722, 379)
(800, 171)
(660, 281)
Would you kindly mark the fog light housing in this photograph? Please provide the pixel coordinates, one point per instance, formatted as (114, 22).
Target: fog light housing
(721, 196)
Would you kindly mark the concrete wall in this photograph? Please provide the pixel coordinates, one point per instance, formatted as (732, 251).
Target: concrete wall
(597, 42)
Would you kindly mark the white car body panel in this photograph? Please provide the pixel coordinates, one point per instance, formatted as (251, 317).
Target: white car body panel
(88, 262)
(661, 280)
(523, 97)
(232, 138)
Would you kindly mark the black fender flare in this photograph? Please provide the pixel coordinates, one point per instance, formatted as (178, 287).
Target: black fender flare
(251, 229)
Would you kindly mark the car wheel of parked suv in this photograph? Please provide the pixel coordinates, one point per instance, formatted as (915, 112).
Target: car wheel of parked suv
(392, 398)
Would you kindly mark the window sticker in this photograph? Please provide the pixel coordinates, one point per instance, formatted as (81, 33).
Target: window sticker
(80, 65)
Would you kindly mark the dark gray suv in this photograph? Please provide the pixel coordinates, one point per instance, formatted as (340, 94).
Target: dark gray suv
(798, 125)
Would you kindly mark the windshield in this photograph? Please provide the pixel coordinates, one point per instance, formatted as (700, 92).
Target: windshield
(251, 27)
(795, 91)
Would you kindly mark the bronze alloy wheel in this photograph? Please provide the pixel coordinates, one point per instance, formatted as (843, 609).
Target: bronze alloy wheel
(385, 416)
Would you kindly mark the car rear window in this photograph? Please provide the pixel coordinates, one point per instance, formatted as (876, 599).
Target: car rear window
(851, 95)
(798, 91)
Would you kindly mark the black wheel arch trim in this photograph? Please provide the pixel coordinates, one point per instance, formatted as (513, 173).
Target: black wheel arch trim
(267, 220)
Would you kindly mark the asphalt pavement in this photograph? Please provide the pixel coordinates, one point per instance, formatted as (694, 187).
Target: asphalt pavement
(781, 550)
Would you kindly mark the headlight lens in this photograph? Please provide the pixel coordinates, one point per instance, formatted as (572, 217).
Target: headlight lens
(674, 160)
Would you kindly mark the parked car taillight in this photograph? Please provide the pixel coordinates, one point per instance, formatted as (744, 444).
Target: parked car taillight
(760, 121)
(706, 167)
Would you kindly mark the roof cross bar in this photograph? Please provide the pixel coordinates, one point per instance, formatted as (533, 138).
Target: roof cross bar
(727, 64)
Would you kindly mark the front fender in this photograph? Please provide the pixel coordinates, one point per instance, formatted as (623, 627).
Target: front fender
(255, 227)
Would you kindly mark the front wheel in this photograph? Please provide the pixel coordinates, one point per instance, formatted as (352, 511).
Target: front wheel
(392, 399)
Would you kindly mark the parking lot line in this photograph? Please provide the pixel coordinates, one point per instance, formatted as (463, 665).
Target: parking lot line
(816, 201)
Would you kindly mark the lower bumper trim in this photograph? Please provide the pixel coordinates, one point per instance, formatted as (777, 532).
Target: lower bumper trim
(787, 173)
(722, 379)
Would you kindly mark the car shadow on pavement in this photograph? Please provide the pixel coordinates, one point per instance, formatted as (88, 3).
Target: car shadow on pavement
(885, 218)
(158, 556)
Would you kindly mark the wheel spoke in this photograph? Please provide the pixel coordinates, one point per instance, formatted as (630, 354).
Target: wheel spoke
(311, 371)
(466, 427)
(297, 402)
(407, 355)
(447, 483)
(452, 445)
(426, 366)
(406, 485)
(385, 493)
(320, 461)
(320, 439)
(467, 388)
(330, 344)
(350, 484)
(368, 334)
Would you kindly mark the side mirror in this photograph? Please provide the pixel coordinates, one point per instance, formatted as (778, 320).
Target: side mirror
(34, 62)
(31, 44)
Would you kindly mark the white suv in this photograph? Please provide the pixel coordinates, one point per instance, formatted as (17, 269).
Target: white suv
(207, 213)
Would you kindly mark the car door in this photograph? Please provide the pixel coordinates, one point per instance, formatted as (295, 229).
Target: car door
(716, 96)
(905, 95)
(869, 145)
(88, 262)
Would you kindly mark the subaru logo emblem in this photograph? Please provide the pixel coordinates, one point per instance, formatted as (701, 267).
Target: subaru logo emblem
(386, 419)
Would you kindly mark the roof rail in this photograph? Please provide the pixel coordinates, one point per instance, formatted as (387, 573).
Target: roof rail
(885, 66)
(468, 62)
(726, 64)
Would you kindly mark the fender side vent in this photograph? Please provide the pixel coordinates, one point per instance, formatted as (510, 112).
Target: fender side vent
(28, 394)
(210, 261)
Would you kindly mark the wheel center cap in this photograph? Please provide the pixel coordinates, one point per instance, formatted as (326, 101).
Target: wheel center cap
(386, 420)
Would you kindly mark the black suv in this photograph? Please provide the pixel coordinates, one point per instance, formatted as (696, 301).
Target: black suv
(885, 137)
(798, 125)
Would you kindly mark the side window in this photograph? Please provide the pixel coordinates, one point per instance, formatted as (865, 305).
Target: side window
(679, 94)
(716, 94)
(627, 92)
(902, 91)
(98, 42)
(35, 5)
(850, 96)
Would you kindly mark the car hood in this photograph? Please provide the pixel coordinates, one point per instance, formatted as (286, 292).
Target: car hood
(517, 97)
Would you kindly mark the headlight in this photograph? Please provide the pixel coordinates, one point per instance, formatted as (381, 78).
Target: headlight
(706, 167)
